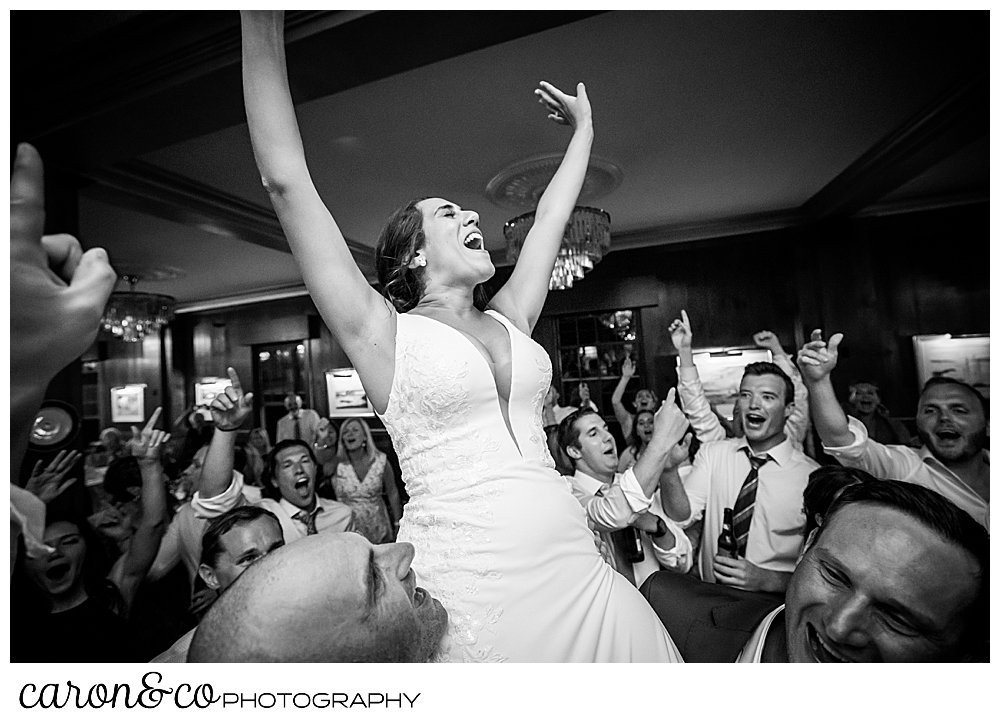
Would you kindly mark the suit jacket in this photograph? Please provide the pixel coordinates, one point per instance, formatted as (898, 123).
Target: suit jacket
(709, 622)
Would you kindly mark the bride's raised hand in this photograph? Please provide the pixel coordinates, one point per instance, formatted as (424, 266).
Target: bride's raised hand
(568, 110)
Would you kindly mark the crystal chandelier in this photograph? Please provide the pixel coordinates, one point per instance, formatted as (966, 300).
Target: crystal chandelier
(130, 315)
(587, 239)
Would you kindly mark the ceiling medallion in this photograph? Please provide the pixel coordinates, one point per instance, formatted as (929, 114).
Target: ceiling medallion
(519, 185)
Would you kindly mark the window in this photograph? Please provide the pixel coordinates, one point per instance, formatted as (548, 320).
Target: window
(591, 350)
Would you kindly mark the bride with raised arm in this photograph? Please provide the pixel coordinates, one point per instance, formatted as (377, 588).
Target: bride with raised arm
(500, 540)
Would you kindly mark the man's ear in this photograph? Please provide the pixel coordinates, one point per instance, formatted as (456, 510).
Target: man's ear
(789, 408)
(573, 452)
(208, 575)
(812, 535)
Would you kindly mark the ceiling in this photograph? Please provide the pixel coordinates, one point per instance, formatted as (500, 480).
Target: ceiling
(720, 123)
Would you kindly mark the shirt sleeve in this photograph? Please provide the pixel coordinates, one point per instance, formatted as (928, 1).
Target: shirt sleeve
(881, 460)
(797, 424)
(707, 426)
(613, 509)
(678, 558)
(210, 507)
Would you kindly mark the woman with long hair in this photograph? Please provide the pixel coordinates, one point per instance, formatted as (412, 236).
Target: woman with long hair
(364, 480)
(644, 400)
(499, 538)
(642, 432)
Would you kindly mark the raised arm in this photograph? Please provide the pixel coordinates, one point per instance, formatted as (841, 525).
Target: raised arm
(229, 410)
(523, 296)
(621, 413)
(816, 360)
(131, 569)
(669, 428)
(358, 316)
(707, 426)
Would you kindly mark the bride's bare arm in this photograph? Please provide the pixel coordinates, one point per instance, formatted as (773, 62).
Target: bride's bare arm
(357, 315)
(523, 296)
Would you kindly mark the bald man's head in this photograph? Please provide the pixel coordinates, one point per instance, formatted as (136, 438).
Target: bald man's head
(325, 598)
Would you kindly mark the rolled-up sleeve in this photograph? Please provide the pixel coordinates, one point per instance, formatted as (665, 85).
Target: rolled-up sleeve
(680, 557)
(617, 506)
(881, 460)
(208, 508)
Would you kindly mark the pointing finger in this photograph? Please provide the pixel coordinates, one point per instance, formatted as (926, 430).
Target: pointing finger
(27, 205)
(817, 335)
(235, 379)
(152, 420)
(684, 318)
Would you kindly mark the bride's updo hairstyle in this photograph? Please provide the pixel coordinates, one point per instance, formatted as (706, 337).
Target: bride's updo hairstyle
(398, 243)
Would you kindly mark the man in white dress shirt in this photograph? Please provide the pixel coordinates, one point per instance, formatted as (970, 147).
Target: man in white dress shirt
(299, 423)
(952, 423)
(289, 476)
(614, 501)
(760, 477)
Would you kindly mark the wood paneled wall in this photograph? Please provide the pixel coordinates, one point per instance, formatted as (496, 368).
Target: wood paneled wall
(877, 280)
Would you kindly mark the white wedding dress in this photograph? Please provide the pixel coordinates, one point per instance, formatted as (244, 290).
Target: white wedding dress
(500, 540)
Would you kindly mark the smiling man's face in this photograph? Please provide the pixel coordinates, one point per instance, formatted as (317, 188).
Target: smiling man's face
(762, 409)
(295, 476)
(879, 586)
(951, 422)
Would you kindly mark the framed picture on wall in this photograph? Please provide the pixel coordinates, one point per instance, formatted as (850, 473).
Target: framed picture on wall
(721, 370)
(346, 396)
(127, 403)
(208, 388)
(966, 358)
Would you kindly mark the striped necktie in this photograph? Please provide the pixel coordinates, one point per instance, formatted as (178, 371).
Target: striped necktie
(743, 508)
(308, 519)
(298, 427)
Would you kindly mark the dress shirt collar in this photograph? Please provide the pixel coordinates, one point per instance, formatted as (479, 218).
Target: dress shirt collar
(292, 510)
(780, 453)
(590, 485)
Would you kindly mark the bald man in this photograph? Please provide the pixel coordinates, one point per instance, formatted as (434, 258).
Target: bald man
(333, 598)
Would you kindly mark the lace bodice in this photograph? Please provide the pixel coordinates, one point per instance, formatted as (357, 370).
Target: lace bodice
(444, 412)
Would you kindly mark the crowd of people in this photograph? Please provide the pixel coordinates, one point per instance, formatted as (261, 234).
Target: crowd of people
(526, 537)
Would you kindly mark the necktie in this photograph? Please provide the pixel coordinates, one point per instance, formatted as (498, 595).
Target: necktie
(743, 509)
(308, 519)
(298, 427)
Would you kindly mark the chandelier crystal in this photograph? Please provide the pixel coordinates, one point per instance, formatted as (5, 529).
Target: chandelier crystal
(587, 239)
(131, 315)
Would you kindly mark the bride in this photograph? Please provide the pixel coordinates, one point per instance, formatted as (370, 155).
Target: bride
(500, 539)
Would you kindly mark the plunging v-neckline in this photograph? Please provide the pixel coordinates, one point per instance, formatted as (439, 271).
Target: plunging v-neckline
(500, 319)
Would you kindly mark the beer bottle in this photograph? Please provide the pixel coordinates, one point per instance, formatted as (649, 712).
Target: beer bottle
(727, 539)
(629, 542)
